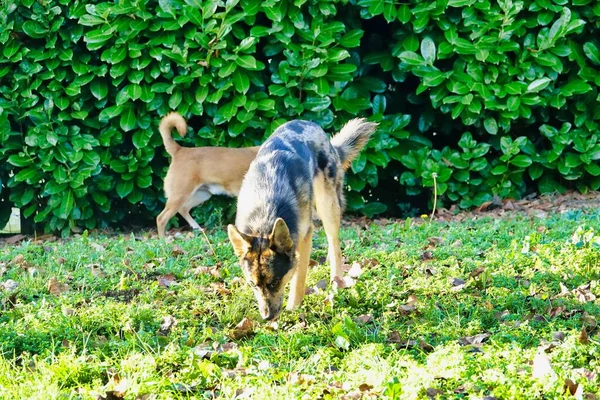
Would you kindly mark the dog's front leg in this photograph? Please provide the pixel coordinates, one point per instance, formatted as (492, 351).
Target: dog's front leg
(298, 286)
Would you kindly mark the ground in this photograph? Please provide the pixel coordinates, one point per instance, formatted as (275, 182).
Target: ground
(493, 304)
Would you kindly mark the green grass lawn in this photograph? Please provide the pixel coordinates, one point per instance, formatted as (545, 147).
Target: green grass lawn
(494, 308)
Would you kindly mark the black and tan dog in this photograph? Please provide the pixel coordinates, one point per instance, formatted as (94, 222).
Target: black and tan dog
(299, 167)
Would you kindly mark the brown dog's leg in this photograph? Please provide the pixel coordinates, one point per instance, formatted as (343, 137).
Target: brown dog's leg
(199, 197)
(173, 204)
(330, 212)
(298, 285)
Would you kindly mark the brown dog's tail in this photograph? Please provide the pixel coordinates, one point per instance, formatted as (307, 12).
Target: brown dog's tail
(352, 138)
(170, 121)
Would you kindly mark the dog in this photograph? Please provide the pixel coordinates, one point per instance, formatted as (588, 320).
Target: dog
(298, 169)
(197, 173)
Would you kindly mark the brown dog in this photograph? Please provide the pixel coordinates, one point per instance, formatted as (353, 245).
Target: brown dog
(196, 173)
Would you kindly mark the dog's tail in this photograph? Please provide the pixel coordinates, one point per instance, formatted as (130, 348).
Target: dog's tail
(170, 121)
(352, 138)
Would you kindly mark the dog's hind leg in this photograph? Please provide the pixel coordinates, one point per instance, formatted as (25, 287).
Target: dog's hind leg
(199, 197)
(298, 286)
(173, 204)
(330, 212)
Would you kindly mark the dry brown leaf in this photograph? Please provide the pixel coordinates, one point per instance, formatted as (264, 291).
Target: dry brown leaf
(313, 263)
(433, 393)
(570, 386)
(97, 246)
(97, 271)
(167, 324)
(474, 340)
(560, 336)
(243, 329)
(19, 258)
(14, 239)
(219, 288)
(476, 272)
(364, 319)
(166, 280)
(365, 387)
(245, 393)
(177, 251)
(10, 285)
(427, 255)
(295, 378)
(583, 336)
(56, 288)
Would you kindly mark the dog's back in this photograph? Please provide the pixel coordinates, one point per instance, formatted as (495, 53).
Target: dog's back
(281, 178)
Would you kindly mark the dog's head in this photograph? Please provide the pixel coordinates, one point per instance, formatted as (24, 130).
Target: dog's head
(268, 264)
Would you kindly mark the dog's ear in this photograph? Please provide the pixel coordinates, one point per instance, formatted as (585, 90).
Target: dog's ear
(240, 241)
(280, 237)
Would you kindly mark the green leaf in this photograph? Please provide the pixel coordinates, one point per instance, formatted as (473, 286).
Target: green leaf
(227, 70)
(241, 82)
(428, 50)
(34, 29)
(490, 125)
(521, 161)
(128, 120)
(99, 89)
(124, 188)
(134, 91)
(352, 38)
(246, 61)
(374, 208)
(66, 205)
(538, 84)
(317, 103)
(322, 86)
(404, 13)
(411, 58)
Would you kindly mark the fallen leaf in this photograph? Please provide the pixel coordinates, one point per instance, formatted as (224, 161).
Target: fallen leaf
(355, 271)
(394, 337)
(56, 288)
(9, 285)
(167, 324)
(432, 393)
(97, 271)
(313, 263)
(430, 271)
(166, 280)
(427, 255)
(214, 271)
(243, 329)
(457, 243)
(219, 288)
(542, 366)
(301, 379)
(407, 308)
(14, 239)
(570, 386)
(342, 283)
(245, 393)
(97, 246)
(365, 387)
(457, 282)
(474, 340)
(364, 319)
(322, 284)
(19, 258)
(476, 272)
(583, 336)
(560, 336)
(177, 251)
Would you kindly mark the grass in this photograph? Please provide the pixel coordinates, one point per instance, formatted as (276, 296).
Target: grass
(453, 310)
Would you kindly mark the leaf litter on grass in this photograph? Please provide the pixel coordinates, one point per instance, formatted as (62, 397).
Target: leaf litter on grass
(407, 325)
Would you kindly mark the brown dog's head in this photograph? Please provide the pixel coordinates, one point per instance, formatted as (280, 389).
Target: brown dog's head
(268, 264)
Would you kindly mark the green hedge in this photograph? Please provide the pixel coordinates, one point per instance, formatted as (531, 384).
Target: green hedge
(493, 97)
